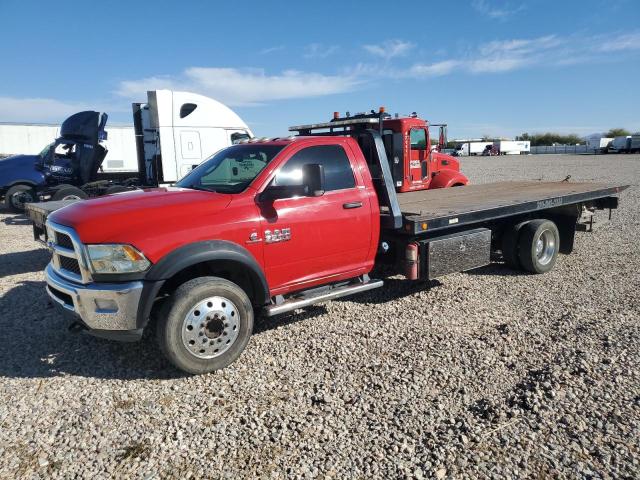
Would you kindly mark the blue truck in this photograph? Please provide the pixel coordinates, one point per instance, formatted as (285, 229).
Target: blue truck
(65, 169)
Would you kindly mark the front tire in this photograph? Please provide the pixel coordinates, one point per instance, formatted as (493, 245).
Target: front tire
(17, 196)
(538, 246)
(205, 325)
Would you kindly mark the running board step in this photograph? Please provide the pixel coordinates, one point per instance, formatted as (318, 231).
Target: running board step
(301, 300)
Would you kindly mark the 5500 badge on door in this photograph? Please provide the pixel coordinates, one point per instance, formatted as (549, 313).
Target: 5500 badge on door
(278, 235)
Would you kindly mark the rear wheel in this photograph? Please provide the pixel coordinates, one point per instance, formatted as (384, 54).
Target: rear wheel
(205, 325)
(17, 196)
(538, 246)
(509, 246)
(69, 193)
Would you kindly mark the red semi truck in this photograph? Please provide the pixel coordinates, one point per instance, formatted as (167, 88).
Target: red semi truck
(269, 226)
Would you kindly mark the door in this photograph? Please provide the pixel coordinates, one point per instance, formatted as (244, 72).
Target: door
(308, 238)
(419, 155)
(190, 150)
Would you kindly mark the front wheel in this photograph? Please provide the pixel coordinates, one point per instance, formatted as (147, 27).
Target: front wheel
(538, 246)
(17, 196)
(205, 325)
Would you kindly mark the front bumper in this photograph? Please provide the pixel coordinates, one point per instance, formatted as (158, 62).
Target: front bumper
(106, 309)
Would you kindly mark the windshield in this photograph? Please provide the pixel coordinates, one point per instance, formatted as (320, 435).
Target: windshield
(230, 170)
(45, 151)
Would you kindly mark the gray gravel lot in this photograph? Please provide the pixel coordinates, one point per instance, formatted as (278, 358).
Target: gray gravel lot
(488, 373)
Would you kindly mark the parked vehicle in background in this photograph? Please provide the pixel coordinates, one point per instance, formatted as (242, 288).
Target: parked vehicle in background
(267, 227)
(625, 144)
(471, 148)
(513, 147)
(598, 143)
(62, 168)
(174, 132)
(30, 139)
(490, 151)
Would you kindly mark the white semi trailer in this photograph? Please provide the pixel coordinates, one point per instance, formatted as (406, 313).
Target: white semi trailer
(471, 148)
(513, 147)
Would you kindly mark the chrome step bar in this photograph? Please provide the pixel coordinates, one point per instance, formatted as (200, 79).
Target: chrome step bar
(301, 300)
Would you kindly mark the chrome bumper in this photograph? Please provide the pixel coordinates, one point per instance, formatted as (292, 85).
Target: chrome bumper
(101, 306)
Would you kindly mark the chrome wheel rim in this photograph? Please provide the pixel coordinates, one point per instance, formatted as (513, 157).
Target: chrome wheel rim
(211, 327)
(545, 247)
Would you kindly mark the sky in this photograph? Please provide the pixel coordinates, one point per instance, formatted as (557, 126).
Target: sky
(484, 67)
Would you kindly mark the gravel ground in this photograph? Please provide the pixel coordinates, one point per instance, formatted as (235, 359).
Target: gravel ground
(488, 373)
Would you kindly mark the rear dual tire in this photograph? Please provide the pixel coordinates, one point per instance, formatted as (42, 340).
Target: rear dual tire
(532, 246)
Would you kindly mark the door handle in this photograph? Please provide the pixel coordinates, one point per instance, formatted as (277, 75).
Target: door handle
(351, 205)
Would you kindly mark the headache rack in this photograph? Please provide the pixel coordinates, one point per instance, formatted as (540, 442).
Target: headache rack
(348, 125)
(362, 127)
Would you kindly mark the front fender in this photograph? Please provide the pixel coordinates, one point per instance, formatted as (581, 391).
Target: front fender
(448, 178)
(193, 254)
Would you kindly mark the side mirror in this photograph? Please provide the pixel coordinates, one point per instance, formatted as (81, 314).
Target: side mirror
(313, 179)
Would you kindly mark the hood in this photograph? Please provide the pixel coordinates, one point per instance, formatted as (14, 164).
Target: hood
(141, 216)
(86, 127)
(19, 160)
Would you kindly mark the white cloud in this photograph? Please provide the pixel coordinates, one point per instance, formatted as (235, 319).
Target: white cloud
(318, 50)
(496, 10)
(507, 55)
(243, 87)
(390, 49)
(268, 50)
(628, 41)
(45, 110)
(434, 70)
(519, 46)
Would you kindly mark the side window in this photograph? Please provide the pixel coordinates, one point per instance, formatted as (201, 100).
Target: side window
(338, 174)
(418, 139)
(237, 137)
(186, 109)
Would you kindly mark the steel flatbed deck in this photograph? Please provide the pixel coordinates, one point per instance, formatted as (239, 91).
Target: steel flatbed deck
(433, 210)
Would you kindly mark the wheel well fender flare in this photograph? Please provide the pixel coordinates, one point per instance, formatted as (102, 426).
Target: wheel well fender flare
(447, 178)
(208, 251)
(28, 183)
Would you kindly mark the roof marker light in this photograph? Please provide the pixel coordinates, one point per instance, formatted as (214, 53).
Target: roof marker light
(336, 115)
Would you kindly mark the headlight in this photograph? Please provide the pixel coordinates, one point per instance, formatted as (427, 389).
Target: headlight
(116, 259)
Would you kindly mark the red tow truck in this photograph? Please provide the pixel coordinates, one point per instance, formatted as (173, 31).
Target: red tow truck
(273, 225)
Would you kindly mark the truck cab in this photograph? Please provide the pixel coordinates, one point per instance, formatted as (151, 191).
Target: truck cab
(415, 164)
(176, 130)
(72, 160)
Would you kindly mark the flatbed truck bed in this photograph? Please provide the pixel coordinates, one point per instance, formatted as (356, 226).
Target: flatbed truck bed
(437, 210)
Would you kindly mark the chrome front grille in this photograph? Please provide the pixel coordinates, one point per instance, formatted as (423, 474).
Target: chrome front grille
(68, 253)
(64, 240)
